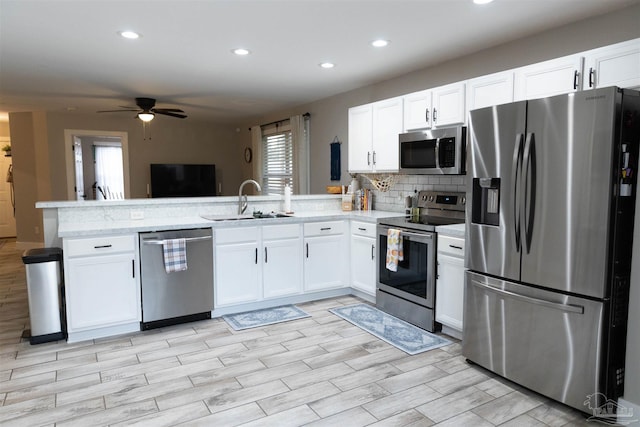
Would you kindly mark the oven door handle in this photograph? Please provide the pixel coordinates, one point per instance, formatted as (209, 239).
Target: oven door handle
(427, 236)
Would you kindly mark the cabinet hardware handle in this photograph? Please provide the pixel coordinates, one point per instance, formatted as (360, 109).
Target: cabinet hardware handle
(133, 268)
(435, 115)
(575, 79)
(592, 74)
(368, 158)
(362, 229)
(307, 250)
(426, 115)
(373, 251)
(374, 158)
(102, 246)
(265, 255)
(256, 261)
(325, 228)
(455, 247)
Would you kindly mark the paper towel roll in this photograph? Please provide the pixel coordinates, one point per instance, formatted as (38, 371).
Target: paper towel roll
(287, 199)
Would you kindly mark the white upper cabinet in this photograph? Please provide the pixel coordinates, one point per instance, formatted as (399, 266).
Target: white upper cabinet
(360, 138)
(548, 78)
(448, 105)
(373, 136)
(387, 125)
(417, 110)
(493, 89)
(615, 65)
(441, 106)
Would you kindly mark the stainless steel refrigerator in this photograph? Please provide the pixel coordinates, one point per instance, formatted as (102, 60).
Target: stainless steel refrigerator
(549, 232)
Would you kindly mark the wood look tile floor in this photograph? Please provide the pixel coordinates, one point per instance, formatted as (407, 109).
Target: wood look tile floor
(318, 371)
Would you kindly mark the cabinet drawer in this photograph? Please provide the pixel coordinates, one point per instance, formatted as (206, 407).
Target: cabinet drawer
(237, 235)
(323, 228)
(275, 232)
(363, 228)
(99, 245)
(453, 246)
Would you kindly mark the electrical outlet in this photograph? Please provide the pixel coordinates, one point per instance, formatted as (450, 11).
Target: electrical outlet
(36, 229)
(137, 215)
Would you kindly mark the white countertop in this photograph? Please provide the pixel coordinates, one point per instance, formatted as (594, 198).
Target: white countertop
(157, 224)
(456, 230)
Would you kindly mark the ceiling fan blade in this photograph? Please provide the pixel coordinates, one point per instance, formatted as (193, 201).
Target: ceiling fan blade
(167, 110)
(116, 111)
(168, 113)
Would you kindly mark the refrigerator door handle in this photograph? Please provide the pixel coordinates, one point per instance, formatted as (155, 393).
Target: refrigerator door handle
(537, 301)
(530, 188)
(516, 172)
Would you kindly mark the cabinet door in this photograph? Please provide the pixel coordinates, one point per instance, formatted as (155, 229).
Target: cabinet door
(237, 274)
(450, 291)
(363, 264)
(555, 77)
(323, 260)
(448, 105)
(494, 89)
(417, 110)
(387, 125)
(360, 138)
(102, 291)
(282, 267)
(616, 65)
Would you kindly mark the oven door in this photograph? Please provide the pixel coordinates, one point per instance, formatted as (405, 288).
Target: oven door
(414, 279)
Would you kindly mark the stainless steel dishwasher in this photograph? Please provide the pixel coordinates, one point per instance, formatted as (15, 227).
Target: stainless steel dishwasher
(177, 297)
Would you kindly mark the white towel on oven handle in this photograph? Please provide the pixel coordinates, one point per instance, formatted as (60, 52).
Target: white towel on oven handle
(394, 249)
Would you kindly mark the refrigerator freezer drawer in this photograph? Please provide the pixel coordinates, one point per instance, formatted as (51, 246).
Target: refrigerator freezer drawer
(545, 341)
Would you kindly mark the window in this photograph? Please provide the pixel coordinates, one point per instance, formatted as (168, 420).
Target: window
(277, 161)
(108, 169)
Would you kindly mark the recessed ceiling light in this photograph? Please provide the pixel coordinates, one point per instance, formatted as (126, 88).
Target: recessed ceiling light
(241, 51)
(379, 43)
(482, 1)
(129, 35)
(327, 65)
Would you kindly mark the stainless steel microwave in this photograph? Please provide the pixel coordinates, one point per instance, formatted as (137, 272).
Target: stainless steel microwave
(434, 152)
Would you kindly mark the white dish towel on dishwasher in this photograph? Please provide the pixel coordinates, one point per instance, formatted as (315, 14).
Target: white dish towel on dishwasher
(394, 249)
(175, 255)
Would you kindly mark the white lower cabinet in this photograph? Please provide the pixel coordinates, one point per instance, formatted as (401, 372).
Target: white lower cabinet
(256, 263)
(450, 282)
(281, 260)
(325, 255)
(102, 289)
(363, 257)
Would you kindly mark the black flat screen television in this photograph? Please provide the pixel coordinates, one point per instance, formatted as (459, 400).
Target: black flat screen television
(182, 180)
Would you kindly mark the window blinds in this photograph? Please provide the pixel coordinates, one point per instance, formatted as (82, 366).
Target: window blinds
(277, 162)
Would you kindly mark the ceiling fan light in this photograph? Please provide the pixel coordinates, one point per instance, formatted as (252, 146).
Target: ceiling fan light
(146, 117)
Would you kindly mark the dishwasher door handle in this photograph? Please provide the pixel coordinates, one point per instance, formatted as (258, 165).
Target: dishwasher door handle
(162, 241)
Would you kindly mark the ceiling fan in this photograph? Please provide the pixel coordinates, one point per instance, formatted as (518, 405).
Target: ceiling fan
(146, 110)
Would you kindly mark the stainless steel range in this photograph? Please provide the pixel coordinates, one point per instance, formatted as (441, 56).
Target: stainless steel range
(409, 292)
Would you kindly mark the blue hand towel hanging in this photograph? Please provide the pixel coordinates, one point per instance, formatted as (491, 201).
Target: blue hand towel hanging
(335, 160)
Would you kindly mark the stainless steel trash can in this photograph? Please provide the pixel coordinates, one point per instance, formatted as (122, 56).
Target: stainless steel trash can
(45, 293)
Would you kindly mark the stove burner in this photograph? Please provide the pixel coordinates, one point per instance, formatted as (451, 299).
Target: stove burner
(438, 208)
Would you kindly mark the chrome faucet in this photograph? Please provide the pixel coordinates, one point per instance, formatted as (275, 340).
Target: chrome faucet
(242, 198)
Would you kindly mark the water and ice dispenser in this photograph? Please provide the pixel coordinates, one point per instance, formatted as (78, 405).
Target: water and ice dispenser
(485, 208)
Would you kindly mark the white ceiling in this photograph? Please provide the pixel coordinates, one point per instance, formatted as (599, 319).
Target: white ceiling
(67, 55)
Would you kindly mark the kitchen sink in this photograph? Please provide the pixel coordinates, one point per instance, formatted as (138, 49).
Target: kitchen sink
(256, 215)
(260, 215)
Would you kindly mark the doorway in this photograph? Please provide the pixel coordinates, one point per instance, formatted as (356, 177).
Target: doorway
(97, 165)
(7, 199)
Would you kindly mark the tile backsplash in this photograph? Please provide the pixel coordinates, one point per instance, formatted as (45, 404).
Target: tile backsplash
(406, 185)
